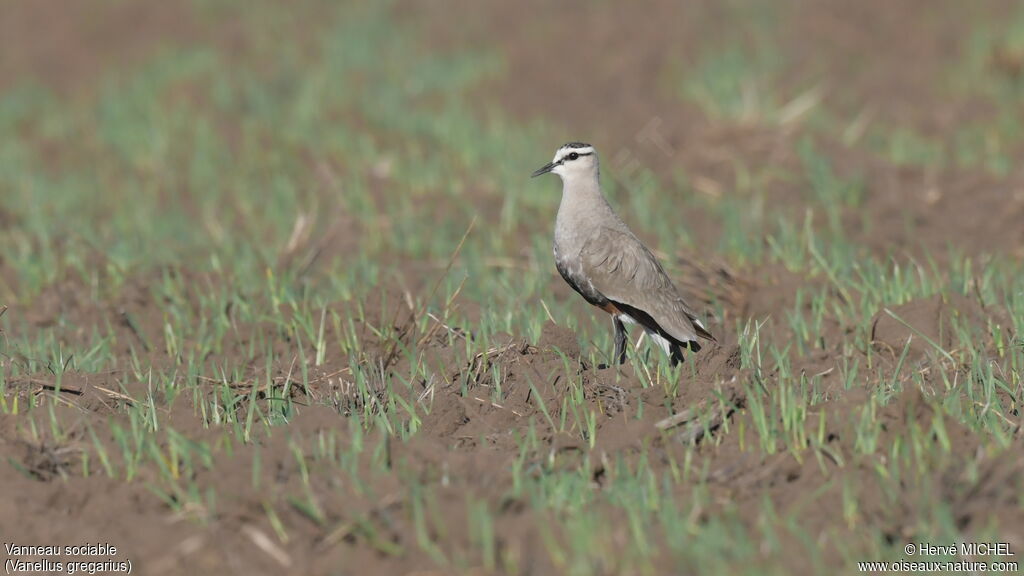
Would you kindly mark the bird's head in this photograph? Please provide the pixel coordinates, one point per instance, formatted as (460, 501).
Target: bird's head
(572, 161)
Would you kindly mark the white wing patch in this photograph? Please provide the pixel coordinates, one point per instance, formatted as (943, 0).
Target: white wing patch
(658, 339)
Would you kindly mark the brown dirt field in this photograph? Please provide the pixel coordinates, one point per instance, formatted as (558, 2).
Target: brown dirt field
(67, 46)
(863, 47)
(467, 444)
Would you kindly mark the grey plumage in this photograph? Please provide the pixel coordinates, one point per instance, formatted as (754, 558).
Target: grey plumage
(601, 258)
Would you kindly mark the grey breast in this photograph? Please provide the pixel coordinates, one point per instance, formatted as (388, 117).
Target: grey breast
(570, 266)
(582, 214)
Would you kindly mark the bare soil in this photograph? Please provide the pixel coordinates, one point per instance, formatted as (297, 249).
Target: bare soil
(888, 62)
(467, 444)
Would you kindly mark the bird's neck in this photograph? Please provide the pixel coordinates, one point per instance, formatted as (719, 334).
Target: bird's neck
(582, 205)
(582, 194)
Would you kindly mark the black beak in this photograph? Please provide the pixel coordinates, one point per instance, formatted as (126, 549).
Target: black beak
(544, 169)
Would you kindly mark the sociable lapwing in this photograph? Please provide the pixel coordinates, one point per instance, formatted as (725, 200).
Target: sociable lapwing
(598, 255)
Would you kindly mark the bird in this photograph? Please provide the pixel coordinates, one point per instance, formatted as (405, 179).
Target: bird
(603, 260)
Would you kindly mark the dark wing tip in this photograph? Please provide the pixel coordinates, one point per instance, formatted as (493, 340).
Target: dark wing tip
(691, 345)
(703, 333)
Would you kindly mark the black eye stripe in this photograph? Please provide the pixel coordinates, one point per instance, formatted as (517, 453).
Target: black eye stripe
(573, 156)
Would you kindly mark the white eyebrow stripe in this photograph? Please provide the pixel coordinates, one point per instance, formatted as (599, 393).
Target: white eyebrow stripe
(563, 152)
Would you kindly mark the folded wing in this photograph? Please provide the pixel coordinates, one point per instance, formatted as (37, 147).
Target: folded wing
(622, 269)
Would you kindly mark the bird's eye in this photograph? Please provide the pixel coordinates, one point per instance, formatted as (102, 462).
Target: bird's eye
(573, 156)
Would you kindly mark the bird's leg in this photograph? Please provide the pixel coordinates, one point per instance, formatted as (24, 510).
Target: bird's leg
(620, 340)
(677, 355)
